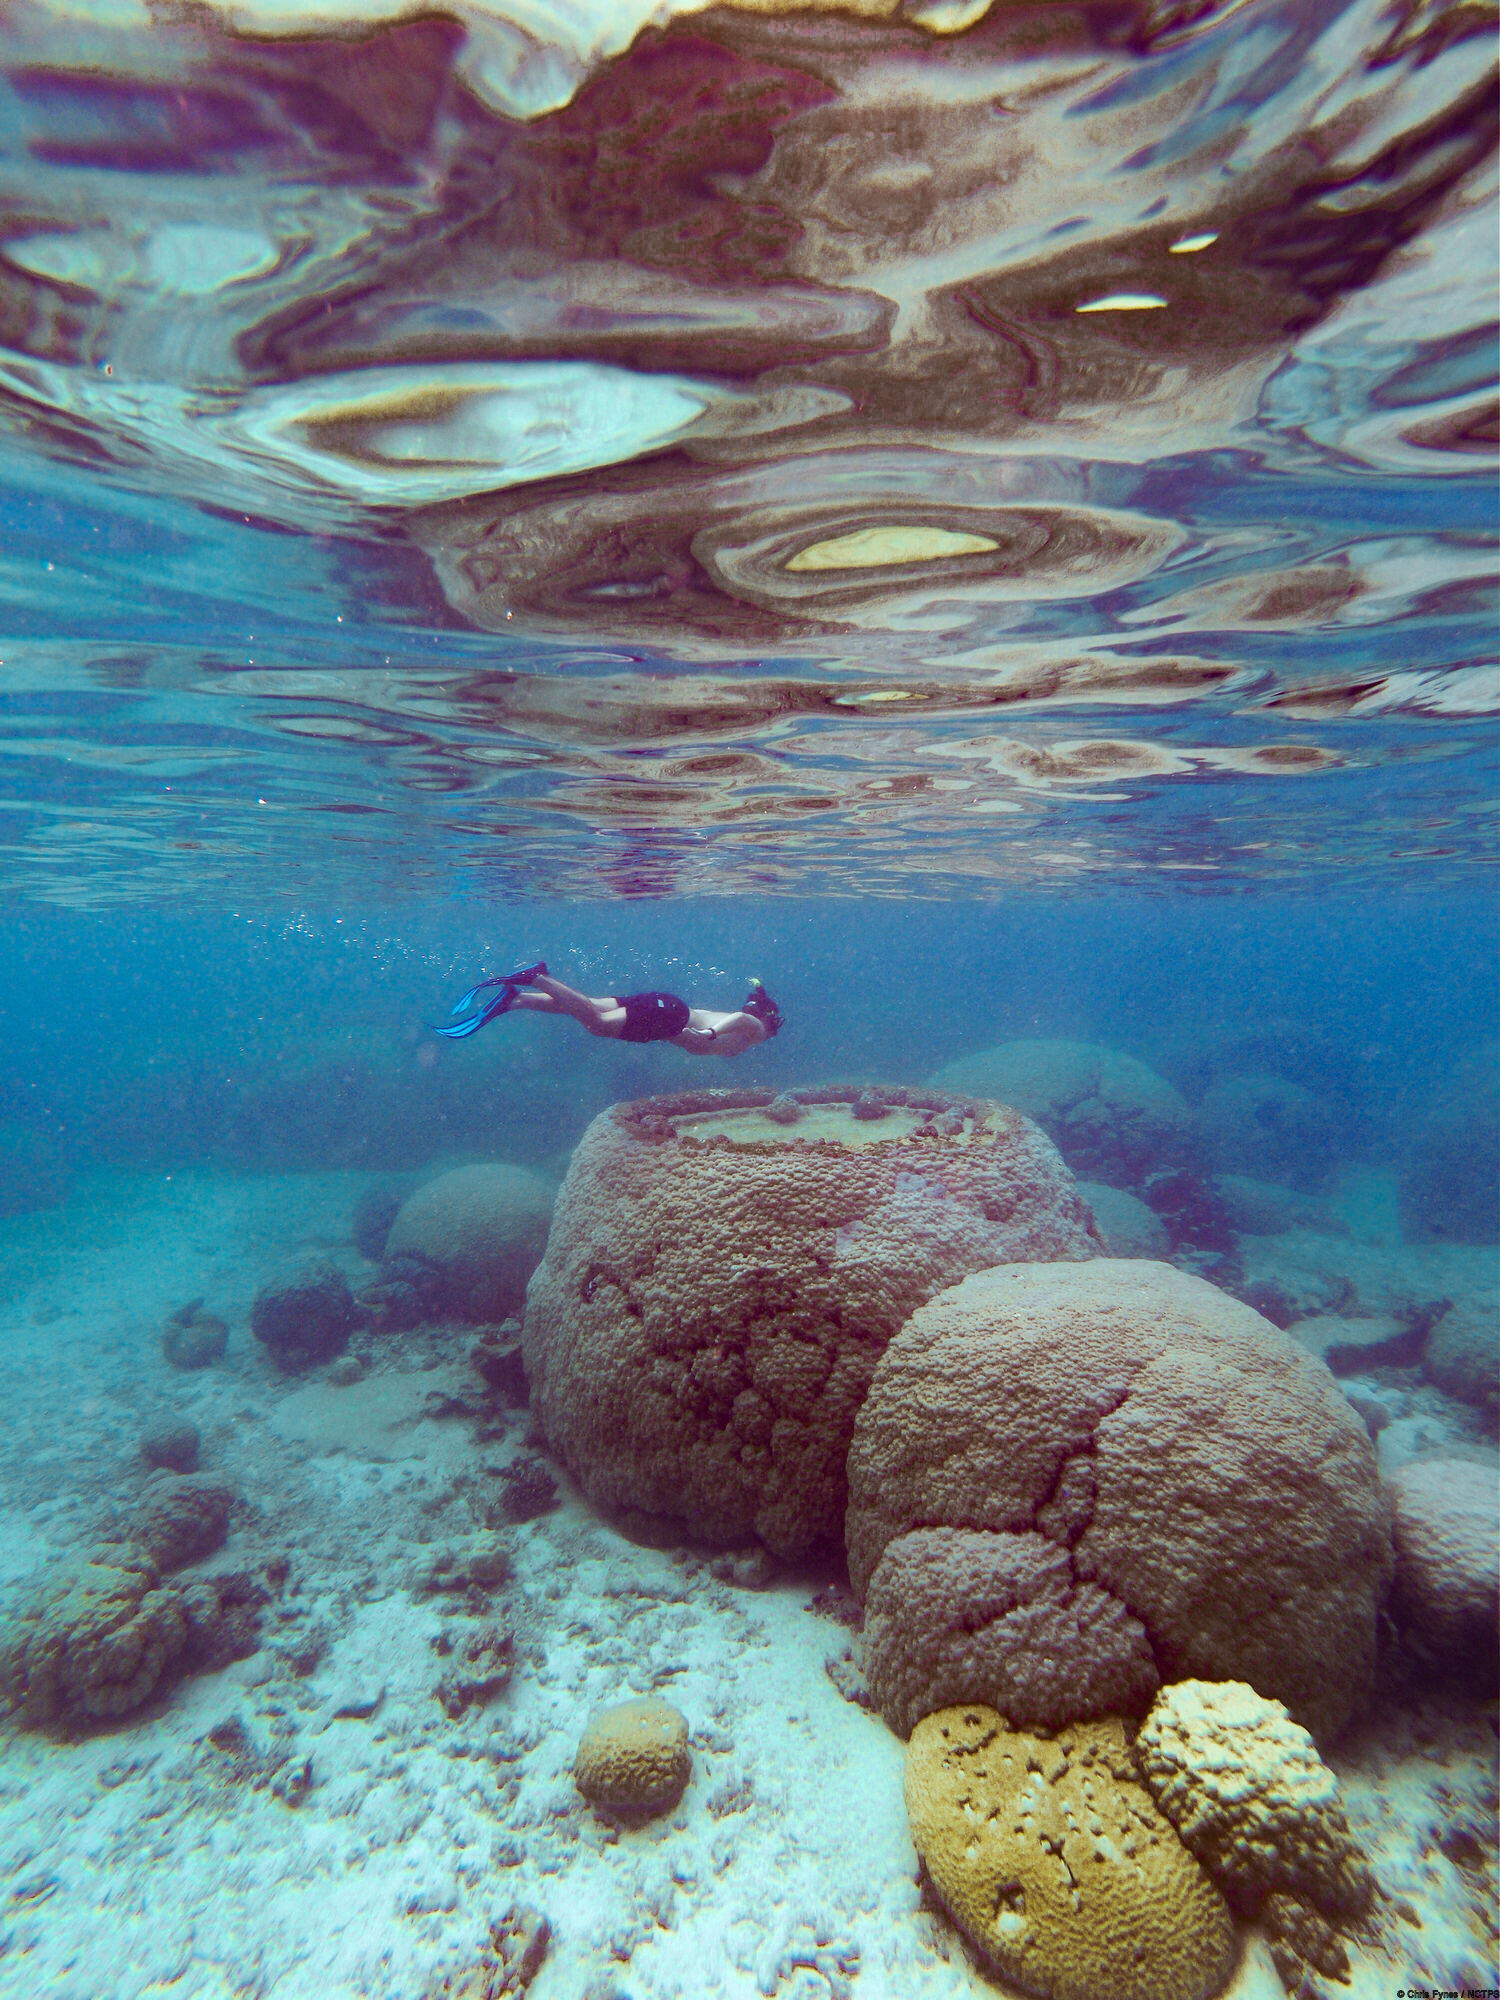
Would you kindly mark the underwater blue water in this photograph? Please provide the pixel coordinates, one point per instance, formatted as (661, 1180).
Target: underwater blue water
(151, 1039)
(979, 516)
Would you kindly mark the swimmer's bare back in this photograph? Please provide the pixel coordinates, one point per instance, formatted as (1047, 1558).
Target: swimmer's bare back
(710, 1034)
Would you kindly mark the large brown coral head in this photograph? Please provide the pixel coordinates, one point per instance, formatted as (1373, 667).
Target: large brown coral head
(719, 1284)
(950, 1610)
(94, 1642)
(1183, 1455)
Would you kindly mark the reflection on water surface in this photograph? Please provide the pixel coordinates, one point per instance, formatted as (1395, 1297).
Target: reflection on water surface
(557, 448)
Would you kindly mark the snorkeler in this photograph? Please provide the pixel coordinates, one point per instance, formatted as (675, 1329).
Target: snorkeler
(628, 1017)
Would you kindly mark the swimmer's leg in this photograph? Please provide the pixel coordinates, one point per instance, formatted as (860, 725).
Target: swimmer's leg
(604, 1016)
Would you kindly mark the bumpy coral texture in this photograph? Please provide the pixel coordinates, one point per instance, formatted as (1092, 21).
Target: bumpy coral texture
(304, 1315)
(181, 1518)
(952, 1610)
(95, 1641)
(1052, 1858)
(1194, 1462)
(1249, 1794)
(634, 1757)
(1447, 1593)
(1113, 1118)
(482, 1230)
(707, 1317)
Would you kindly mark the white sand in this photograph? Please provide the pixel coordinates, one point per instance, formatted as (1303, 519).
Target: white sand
(146, 1861)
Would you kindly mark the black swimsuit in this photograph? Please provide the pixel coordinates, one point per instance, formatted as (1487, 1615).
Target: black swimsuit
(652, 1017)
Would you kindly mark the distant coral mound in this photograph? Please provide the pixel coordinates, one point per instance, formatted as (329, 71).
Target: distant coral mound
(374, 1212)
(1270, 1129)
(1112, 1117)
(1449, 1187)
(1462, 1357)
(1190, 1460)
(720, 1282)
(1054, 1860)
(33, 1170)
(1447, 1594)
(192, 1338)
(481, 1230)
(1128, 1226)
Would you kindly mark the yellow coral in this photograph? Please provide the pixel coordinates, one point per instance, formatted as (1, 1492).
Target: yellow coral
(1245, 1787)
(634, 1757)
(1054, 1861)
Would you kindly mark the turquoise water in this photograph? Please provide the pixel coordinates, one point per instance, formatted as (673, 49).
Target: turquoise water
(981, 518)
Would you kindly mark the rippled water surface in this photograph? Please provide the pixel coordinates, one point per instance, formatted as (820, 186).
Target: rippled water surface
(911, 448)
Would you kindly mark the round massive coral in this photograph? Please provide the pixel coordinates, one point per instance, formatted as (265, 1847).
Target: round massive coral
(1053, 1859)
(1269, 1128)
(480, 1232)
(950, 1610)
(1113, 1118)
(1448, 1187)
(1193, 1463)
(726, 1267)
(1448, 1568)
(634, 1757)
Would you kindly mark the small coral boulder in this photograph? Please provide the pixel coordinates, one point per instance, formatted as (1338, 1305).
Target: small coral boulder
(180, 1518)
(634, 1758)
(1053, 1860)
(95, 1641)
(193, 1338)
(1462, 1356)
(1447, 1594)
(304, 1316)
(1183, 1455)
(171, 1447)
(1129, 1228)
(480, 1231)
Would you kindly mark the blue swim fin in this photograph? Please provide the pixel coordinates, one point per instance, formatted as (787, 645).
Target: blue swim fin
(501, 1004)
(461, 1028)
(508, 982)
(521, 977)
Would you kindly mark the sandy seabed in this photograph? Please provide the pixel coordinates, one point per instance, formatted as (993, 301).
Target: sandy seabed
(309, 1823)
